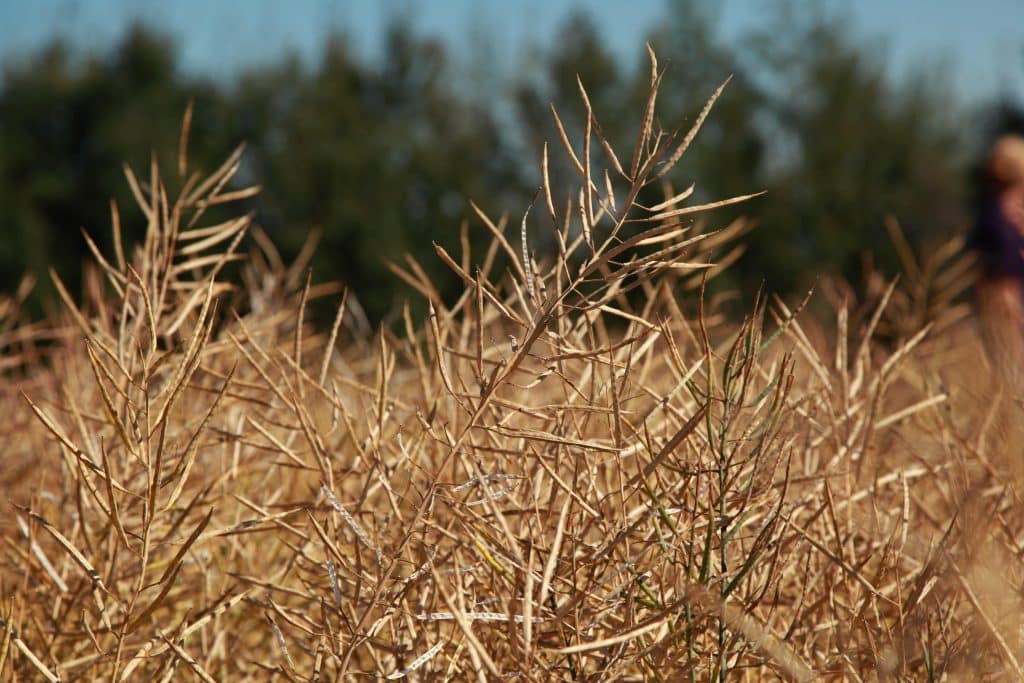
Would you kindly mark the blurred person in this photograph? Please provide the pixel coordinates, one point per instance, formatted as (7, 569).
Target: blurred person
(998, 238)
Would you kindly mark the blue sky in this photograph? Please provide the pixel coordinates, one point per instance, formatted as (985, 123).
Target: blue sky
(981, 41)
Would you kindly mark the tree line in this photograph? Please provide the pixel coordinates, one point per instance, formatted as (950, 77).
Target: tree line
(382, 157)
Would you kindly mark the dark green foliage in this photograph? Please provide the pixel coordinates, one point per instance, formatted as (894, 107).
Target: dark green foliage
(379, 158)
(855, 148)
(65, 130)
(383, 157)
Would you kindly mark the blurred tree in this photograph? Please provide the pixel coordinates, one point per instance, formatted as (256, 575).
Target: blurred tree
(383, 156)
(724, 159)
(850, 147)
(581, 53)
(808, 116)
(66, 126)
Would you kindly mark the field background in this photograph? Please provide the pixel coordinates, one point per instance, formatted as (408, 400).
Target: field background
(593, 425)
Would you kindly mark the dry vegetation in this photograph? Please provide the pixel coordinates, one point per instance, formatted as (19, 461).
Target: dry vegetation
(580, 470)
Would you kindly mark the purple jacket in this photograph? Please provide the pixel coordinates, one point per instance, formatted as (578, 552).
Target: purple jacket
(998, 242)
